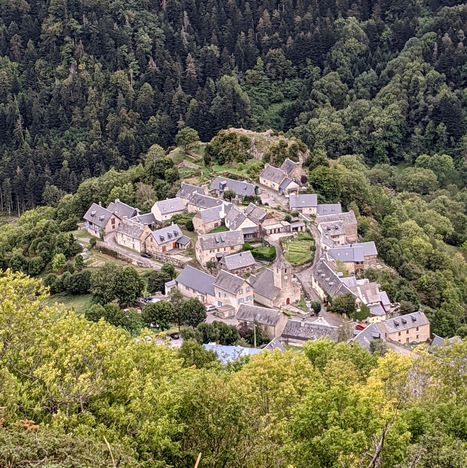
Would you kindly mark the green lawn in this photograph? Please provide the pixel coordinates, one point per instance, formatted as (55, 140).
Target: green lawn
(219, 229)
(79, 303)
(297, 251)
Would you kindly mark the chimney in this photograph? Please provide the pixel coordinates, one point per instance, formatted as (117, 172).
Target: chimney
(100, 203)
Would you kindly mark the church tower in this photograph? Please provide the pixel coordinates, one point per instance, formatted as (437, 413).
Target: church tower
(282, 274)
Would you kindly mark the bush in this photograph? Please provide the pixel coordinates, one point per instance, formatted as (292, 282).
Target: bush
(189, 225)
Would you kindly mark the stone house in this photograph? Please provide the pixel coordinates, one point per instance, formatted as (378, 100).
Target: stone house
(164, 210)
(193, 283)
(298, 332)
(212, 247)
(188, 190)
(166, 239)
(274, 287)
(122, 210)
(241, 188)
(293, 170)
(306, 204)
(327, 284)
(332, 234)
(132, 235)
(344, 223)
(356, 258)
(99, 221)
(406, 329)
(200, 201)
(211, 218)
(261, 218)
(239, 264)
(272, 321)
(146, 218)
(232, 290)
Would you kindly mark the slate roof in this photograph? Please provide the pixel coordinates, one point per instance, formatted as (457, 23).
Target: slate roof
(285, 183)
(98, 215)
(353, 252)
(303, 201)
(215, 213)
(184, 240)
(438, 341)
(347, 218)
(305, 331)
(131, 229)
(147, 218)
(376, 310)
(275, 344)
(171, 205)
(261, 315)
(369, 334)
(122, 210)
(229, 282)
(332, 228)
(220, 240)
(263, 284)
(273, 174)
(203, 201)
(187, 190)
(255, 213)
(197, 280)
(230, 353)
(330, 282)
(405, 322)
(240, 187)
(234, 218)
(328, 208)
(168, 234)
(239, 260)
(288, 166)
(384, 299)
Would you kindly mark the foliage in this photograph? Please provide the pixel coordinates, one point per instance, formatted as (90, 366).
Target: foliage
(343, 305)
(192, 312)
(159, 315)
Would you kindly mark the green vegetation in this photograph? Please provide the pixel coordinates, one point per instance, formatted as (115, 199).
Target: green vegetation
(77, 303)
(62, 374)
(221, 228)
(265, 253)
(299, 251)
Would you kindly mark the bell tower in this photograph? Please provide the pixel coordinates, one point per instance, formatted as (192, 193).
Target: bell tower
(282, 274)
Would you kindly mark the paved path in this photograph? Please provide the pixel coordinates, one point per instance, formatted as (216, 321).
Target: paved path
(129, 255)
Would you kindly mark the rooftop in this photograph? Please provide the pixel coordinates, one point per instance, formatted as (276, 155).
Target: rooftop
(273, 174)
(131, 229)
(261, 315)
(228, 282)
(215, 213)
(328, 208)
(187, 190)
(405, 322)
(353, 252)
(367, 335)
(98, 215)
(197, 280)
(301, 330)
(234, 218)
(202, 201)
(303, 201)
(147, 218)
(239, 260)
(255, 213)
(122, 210)
(220, 240)
(263, 284)
(330, 282)
(240, 187)
(167, 234)
(171, 205)
(347, 218)
(288, 166)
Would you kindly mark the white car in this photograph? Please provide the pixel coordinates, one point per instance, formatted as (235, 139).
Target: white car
(210, 308)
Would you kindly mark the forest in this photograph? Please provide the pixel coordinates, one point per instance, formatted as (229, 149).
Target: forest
(90, 85)
(77, 394)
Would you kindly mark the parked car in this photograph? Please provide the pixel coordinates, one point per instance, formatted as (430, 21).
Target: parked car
(145, 255)
(210, 308)
(174, 336)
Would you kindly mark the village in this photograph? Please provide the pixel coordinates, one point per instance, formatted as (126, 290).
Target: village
(267, 256)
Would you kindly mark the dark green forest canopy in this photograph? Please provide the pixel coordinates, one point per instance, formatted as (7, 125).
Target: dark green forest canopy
(87, 85)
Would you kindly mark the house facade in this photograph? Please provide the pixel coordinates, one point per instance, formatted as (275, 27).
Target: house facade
(187, 190)
(306, 204)
(132, 235)
(99, 221)
(212, 247)
(338, 225)
(299, 332)
(272, 321)
(164, 210)
(356, 258)
(193, 283)
(165, 239)
(239, 264)
(211, 218)
(232, 290)
(406, 329)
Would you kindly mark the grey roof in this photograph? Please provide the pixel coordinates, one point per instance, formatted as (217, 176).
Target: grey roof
(273, 174)
(197, 280)
(203, 201)
(438, 341)
(296, 225)
(215, 213)
(220, 240)
(303, 201)
(228, 282)
(332, 228)
(347, 253)
(187, 190)
(347, 218)
(384, 299)
(122, 210)
(261, 315)
(328, 208)
(255, 213)
(367, 335)
(98, 215)
(250, 230)
(234, 218)
(405, 322)
(288, 166)
(147, 218)
(377, 310)
(184, 240)
(263, 284)
(275, 344)
(330, 282)
(171, 205)
(305, 331)
(168, 234)
(240, 187)
(285, 183)
(239, 260)
(131, 229)
(228, 354)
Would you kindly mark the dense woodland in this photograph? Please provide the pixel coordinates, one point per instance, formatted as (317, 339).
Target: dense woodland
(89, 85)
(76, 394)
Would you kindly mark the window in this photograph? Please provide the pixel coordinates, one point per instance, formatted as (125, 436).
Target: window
(399, 334)
(247, 289)
(406, 340)
(407, 332)
(219, 303)
(238, 301)
(417, 328)
(231, 248)
(240, 292)
(219, 294)
(417, 337)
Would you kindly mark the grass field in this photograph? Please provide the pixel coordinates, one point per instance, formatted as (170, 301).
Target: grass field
(299, 251)
(219, 229)
(79, 303)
